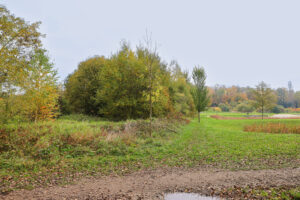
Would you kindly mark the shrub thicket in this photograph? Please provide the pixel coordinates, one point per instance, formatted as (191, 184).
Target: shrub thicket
(118, 87)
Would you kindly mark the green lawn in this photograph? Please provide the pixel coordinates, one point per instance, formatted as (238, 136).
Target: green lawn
(69, 146)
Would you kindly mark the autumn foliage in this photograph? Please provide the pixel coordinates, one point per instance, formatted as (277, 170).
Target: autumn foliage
(117, 87)
(293, 110)
(28, 83)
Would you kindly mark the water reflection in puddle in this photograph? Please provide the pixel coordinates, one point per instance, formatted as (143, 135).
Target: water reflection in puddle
(187, 196)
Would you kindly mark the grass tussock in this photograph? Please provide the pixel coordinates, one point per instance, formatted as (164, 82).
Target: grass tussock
(273, 128)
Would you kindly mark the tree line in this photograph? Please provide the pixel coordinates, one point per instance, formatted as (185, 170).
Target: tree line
(243, 99)
(131, 83)
(118, 87)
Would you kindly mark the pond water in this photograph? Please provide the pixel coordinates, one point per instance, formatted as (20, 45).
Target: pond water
(187, 196)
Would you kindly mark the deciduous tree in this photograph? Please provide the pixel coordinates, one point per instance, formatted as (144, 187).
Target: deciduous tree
(18, 41)
(200, 91)
(40, 88)
(282, 96)
(297, 99)
(27, 83)
(245, 107)
(180, 91)
(264, 98)
(82, 85)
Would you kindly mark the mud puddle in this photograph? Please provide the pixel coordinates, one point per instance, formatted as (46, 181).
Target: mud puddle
(187, 196)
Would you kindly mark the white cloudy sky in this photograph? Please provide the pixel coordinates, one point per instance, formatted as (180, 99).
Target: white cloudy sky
(238, 42)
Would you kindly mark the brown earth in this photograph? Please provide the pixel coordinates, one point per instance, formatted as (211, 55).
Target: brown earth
(285, 116)
(153, 184)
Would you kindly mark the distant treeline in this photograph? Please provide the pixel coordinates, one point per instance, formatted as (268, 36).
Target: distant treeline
(235, 98)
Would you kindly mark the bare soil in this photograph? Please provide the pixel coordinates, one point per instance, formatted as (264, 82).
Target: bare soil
(152, 184)
(285, 116)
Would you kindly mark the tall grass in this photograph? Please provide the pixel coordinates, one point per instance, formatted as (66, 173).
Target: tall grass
(273, 128)
(30, 152)
(47, 139)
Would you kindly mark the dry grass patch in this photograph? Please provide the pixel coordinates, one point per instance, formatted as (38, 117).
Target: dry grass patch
(273, 128)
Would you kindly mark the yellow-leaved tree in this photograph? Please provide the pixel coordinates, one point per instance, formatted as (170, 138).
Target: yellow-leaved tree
(27, 79)
(40, 88)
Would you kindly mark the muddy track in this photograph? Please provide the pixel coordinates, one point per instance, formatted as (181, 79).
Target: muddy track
(152, 184)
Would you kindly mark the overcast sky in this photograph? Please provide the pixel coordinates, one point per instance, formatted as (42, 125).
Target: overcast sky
(238, 42)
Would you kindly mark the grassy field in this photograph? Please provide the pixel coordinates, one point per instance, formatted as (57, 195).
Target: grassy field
(56, 152)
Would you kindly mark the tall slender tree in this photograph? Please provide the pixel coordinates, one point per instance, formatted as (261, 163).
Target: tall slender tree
(297, 99)
(40, 87)
(264, 97)
(291, 93)
(151, 56)
(282, 97)
(200, 91)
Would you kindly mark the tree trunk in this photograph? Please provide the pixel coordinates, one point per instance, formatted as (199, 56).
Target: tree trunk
(262, 113)
(150, 99)
(199, 117)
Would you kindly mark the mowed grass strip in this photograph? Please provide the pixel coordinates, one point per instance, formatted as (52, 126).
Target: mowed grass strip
(225, 143)
(69, 147)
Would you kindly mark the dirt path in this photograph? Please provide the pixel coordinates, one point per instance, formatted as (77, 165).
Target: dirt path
(152, 184)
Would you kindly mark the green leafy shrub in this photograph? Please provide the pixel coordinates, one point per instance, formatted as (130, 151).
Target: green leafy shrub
(277, 109)
(224, 107)
(245, 108)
